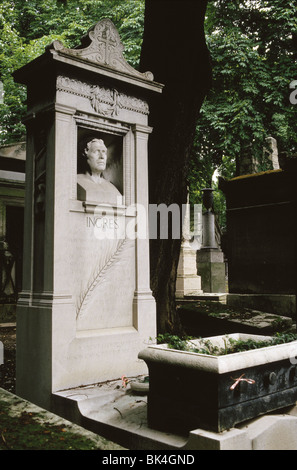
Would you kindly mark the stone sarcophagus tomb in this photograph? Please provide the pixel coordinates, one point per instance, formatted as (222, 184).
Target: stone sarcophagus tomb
(86, 308)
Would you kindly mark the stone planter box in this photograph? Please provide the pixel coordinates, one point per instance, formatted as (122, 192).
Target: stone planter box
(192, 390)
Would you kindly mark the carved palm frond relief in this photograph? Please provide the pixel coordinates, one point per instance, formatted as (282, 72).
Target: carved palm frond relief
(111, 261)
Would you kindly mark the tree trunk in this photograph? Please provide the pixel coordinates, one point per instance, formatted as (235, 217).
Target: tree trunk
(174, 50)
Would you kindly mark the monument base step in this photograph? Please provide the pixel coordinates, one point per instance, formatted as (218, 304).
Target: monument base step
(213, 318)
(216, 297)
(278, 304)
(120, 414)
(111, 410)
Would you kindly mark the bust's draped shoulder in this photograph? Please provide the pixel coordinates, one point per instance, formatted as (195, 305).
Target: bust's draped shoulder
(103, 192)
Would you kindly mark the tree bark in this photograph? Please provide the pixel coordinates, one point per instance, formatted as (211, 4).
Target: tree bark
(174, 50)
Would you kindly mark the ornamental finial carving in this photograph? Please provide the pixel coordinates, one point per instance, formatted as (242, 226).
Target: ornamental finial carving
(102, 45)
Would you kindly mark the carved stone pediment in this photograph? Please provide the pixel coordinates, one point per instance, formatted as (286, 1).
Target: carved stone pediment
(102, 45)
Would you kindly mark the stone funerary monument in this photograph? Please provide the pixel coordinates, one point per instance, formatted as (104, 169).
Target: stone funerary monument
(86, 308)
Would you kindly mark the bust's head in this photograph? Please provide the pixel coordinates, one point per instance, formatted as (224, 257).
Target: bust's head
(96, 155)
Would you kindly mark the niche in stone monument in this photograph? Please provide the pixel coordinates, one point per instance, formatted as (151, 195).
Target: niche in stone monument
(99, 167)
(106, 255)
(107, 258)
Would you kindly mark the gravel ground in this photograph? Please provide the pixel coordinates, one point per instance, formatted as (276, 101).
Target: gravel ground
(7, 370)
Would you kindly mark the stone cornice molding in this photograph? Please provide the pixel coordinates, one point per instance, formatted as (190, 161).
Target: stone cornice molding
(104, 100)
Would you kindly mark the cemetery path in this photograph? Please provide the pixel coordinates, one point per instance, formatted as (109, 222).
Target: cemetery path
(7, 370)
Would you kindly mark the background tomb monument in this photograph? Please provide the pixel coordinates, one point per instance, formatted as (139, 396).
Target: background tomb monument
(86, 308)
(187, 281)
(210, 257)
(261, 241)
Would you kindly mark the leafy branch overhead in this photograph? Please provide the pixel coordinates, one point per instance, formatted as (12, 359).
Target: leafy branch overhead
(253, 46)
(253, 50)
(26, 28)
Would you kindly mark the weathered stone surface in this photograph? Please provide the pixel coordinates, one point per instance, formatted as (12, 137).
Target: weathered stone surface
(211, 268)
(14, 151)
(274, 432)
(234, 439)
(271, 153)
(278, 304)
(187, 281)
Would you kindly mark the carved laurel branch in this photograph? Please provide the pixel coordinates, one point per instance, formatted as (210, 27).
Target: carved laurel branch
(110, 262)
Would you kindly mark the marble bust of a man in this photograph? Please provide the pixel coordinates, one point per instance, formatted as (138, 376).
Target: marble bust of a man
(92, 186)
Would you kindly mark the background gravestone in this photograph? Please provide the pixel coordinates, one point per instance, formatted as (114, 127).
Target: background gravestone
(210, 258)
(86, 308)
(187, 280)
